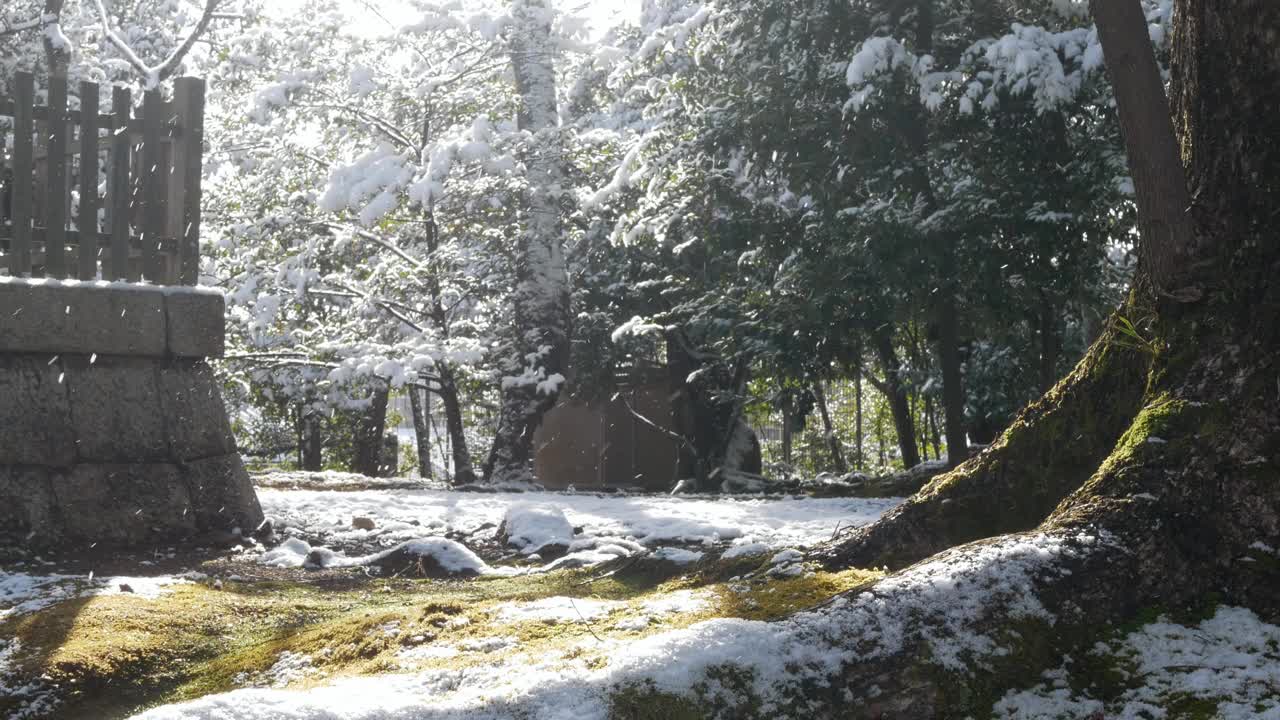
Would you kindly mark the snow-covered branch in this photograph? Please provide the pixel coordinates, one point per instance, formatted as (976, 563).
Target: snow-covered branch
(153, 76)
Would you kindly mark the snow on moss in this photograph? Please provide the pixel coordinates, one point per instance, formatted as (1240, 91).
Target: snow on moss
(1229, 664)
(942, 604)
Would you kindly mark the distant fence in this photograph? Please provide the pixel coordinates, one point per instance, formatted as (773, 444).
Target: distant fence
(54, 220)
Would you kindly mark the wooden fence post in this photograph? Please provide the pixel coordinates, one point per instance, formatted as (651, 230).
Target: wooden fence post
(188, 167)
(120, 186)
(23, 126)
(87, 218)
(55, 192)
(153, 186)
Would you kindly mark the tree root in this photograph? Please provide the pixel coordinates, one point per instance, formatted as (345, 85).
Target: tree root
(1051, 448)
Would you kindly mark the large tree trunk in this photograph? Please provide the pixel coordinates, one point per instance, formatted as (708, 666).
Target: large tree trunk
(1149, 474)
(897, 396)
(536, 367)
(1150, 471)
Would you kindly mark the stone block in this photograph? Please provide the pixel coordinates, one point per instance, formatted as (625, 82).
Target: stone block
(27, 516)
(123, 504)
(196, 324)
(195, 418)
(116, 411)
(222, 494)
(35, 415)
(81, 318)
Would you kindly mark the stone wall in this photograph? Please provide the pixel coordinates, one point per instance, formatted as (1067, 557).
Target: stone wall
(112, 425)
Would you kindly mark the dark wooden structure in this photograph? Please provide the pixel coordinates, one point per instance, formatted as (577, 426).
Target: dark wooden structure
(56, 221)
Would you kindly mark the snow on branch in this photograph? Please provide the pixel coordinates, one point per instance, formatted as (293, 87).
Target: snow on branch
(25, 25)
(153, 76)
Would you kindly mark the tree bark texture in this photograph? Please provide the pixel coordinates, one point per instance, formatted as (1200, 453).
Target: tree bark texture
(1162, 455)
(897, 396)
(541, 298)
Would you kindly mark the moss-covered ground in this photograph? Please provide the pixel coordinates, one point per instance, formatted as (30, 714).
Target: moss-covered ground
(110, 656)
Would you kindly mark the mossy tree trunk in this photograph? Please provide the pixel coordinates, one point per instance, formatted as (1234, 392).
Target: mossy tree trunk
(1164, 443)
(1213, 295)
(1164, 440)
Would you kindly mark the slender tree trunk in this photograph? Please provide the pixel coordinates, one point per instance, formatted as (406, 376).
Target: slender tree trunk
(421, 430)
(786, 428)
(298, 433)
(369, 431)
(312, 444)
(537, 364)
(463, 472)
(952, 387)
(880, 440)
(860, 459)
(833, 442)
(897, 396)
(931, 426)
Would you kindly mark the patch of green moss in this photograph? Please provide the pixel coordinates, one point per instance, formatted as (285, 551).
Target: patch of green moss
(112, 656)
(1190, 707)
(641, 702)
(771, 598)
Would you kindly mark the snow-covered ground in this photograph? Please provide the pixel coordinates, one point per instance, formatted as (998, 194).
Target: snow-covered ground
(22, 593)
(1229, 661)
(594, 527)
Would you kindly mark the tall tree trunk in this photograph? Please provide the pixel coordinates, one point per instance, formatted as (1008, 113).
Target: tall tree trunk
(419, 400)
(897, 396)
(829, 432)
(537, 364)
(369, 431)
(1154, 161)
(463, 472)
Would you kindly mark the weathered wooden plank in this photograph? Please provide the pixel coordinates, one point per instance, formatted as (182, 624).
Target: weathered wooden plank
(39, 113)
(153, 184)
(188, 171)
(119, 187)
(23, 127)
(55, 191)
(87, 220)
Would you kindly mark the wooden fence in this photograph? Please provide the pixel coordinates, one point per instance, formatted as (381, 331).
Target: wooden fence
(56, 222)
